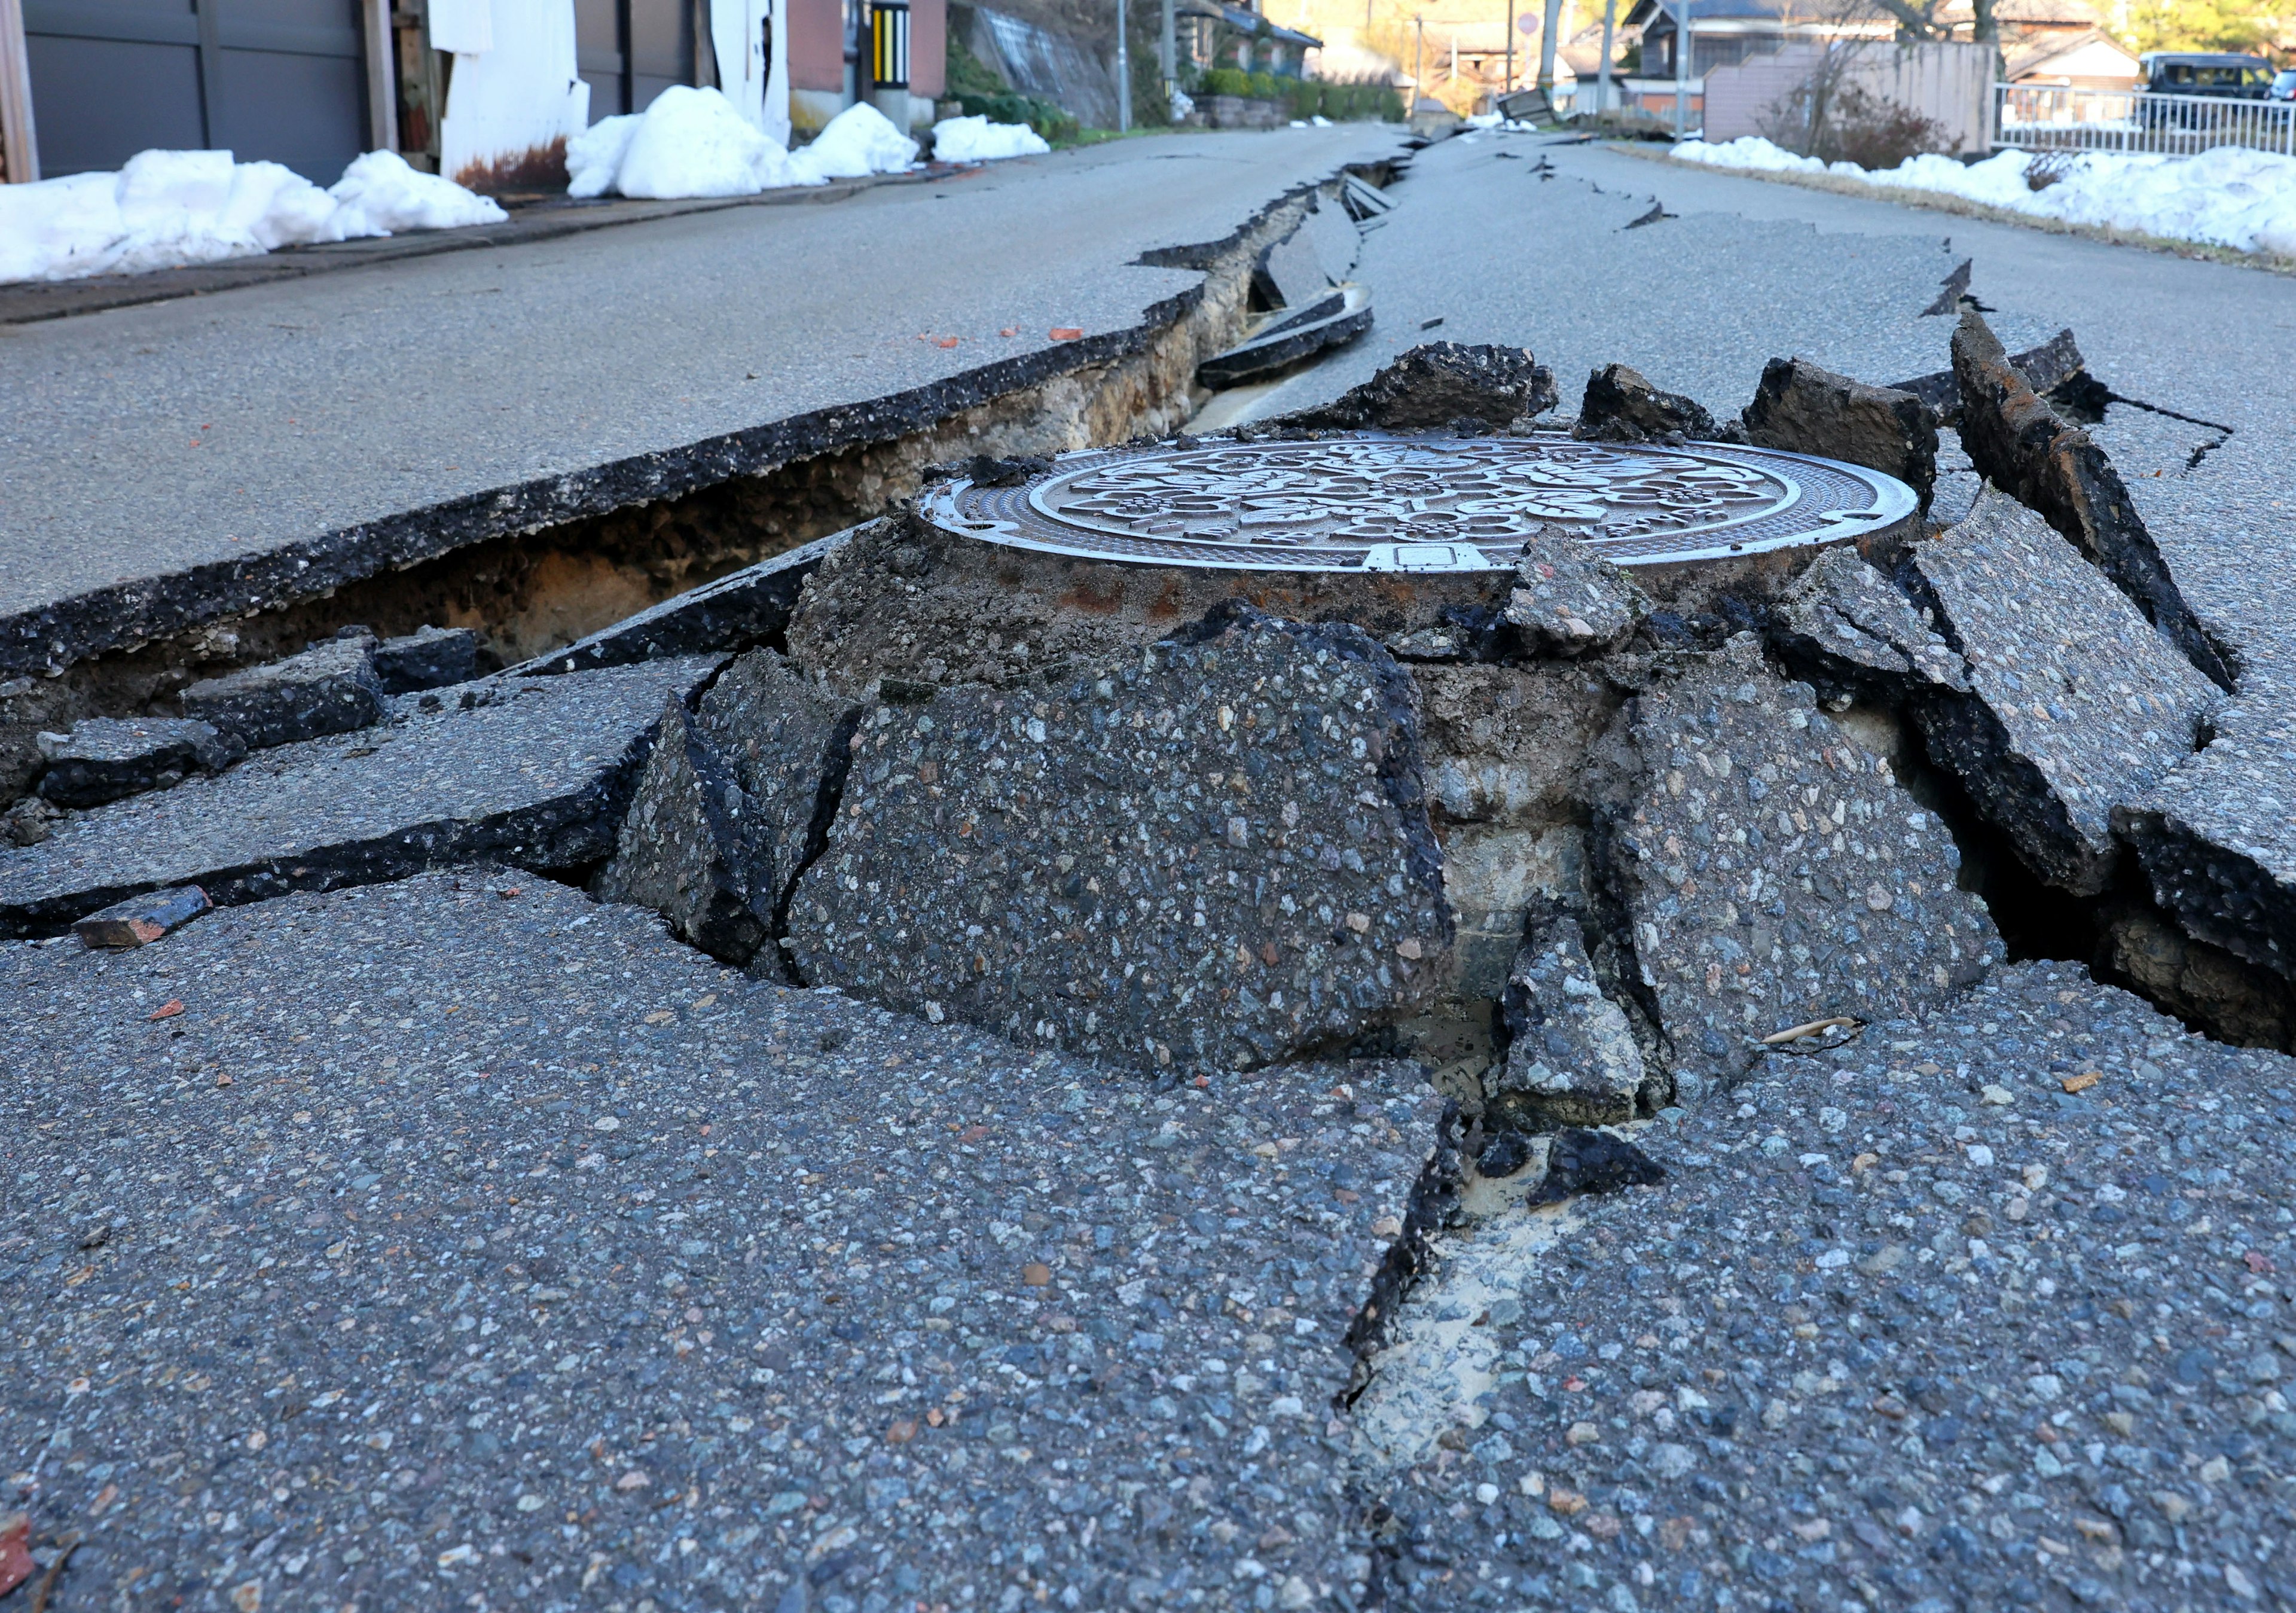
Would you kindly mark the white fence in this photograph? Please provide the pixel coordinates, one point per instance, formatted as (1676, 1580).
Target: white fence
(2034, 118)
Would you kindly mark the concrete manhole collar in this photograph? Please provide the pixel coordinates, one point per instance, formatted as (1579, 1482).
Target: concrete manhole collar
(1376, 502)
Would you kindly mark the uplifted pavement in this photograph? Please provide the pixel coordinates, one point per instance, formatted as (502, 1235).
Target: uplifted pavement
(172, 464)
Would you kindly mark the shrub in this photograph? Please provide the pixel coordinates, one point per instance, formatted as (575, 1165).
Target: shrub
(1263, 87)
(1056, 124)
(1227, 82)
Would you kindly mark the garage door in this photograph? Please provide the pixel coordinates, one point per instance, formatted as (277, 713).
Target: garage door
(276, 81)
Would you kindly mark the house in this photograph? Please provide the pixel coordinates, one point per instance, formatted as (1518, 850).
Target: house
(1212, 34)
(2091, 59)
(86, 84)
(1724, 33)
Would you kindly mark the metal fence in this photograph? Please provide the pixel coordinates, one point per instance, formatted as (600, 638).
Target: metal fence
(2036, 117)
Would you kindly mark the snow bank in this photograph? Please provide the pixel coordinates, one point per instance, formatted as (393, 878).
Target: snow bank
(859, 140)
(977, 140)
(167, 209)
(2230, 196)
(379, 194)
(693, 143)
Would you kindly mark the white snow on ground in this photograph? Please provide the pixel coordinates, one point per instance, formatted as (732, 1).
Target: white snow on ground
(859, 140)
(167, 209)
(694, 143)
(2230, 196)
(690, 142)
(977, 140)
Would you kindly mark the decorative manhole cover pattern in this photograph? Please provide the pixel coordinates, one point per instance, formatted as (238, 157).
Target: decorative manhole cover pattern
(1389, 503)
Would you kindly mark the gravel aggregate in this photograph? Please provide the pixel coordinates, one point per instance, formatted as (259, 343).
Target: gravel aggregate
(462, 1242)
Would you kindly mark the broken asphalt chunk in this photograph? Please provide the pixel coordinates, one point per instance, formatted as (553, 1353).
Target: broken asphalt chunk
(2216, 833)
(1804, 410)
(106, 758)
(2056, 369)
(739, 610)
(1569, 600)
(330, 688)
(1436, 385)
(2074, 703)
(1852, 633)
(2018, 442)
(429, 658)
(141, 920)
(1774, 870)
(1620, 406)
(1216, 854)
(1571, 1059)
(1583, 1161)
(684, 849)
(536, 774)
(724, 821)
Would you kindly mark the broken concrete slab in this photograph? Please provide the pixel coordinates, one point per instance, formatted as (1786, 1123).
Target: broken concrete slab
(2074, 703)
(2018, 442)
(1570, 600)
(1138, 1374)
(1852, 634)
(1622, 405)
(907, 603)
(1215, 855)
(534, 774)
(684, 847)
(1436, 385)
(1845, 1311)
(429, 658)
(330, 688)
(1773, 871)
(725, 818)
(1505, 750)
(106, 758)
(2216, 834)
(740, 611)
(142, 920)
(1804, 410)
(1571, 1058)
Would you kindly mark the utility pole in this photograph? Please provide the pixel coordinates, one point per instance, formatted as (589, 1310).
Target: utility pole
(1168, 55)
(1681, 68)
(1602, 74)
(1418, 55)
(1123, 74)
(1552, 26)
(1509, 88)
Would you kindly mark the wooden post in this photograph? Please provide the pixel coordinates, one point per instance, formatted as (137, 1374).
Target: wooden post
(381, 75)
(18, 143)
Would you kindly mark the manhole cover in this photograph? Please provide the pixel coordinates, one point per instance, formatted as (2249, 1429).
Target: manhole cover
(1407, 504)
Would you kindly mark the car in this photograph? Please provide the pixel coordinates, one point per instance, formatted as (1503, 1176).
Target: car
(2175, 79)
(2284, 85)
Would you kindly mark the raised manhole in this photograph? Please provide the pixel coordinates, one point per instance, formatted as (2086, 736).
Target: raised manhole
(1376, 502)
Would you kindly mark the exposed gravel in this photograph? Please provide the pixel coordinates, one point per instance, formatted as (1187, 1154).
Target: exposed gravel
(531, 1257)
(1908, 1326)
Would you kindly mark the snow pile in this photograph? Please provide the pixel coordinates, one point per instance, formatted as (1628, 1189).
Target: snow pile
(2230, 196)
(594, 157)
(859, 140)
(167, 209)
(689, 143)
(977, 140)
(380, 195)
